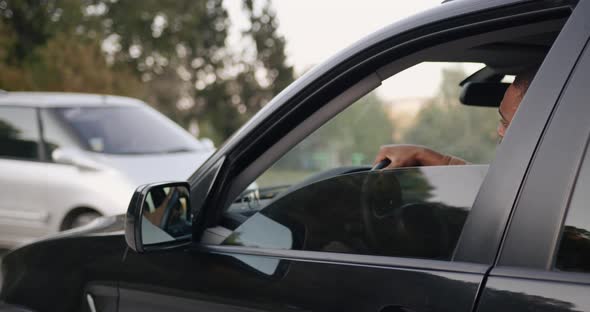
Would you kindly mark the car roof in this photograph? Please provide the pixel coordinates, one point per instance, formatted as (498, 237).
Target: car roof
(64, 99)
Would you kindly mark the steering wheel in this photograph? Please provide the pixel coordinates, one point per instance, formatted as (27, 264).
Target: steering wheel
(395, 228)
(371, 216)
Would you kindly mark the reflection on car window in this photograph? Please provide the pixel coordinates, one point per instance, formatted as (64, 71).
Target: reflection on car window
(19, 133)
(414, 212)
(574, 249)
(261, 231)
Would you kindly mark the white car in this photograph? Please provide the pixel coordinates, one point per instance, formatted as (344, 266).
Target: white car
(68, 158)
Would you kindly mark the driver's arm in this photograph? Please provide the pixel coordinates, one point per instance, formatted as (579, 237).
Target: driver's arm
(405, 155)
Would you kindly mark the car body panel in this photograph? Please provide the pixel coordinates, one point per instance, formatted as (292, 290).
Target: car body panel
(143, 169)
(64, 99)
(524, 276)
(553, 171)
(16, 176)
(198, 279)
(511, 294)
(53, 284)
(500, 190)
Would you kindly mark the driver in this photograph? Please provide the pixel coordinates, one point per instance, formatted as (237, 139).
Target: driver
(407, 155)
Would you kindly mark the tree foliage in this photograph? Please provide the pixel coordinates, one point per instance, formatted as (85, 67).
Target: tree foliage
(171, 53)
(445, 125)
(351, 138)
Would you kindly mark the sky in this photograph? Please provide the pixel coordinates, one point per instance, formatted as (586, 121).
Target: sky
(318, 29)
(315, 30)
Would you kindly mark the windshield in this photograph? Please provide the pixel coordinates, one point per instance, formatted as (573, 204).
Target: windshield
(126, 130)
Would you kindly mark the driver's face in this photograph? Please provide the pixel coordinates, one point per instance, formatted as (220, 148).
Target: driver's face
(508, 107)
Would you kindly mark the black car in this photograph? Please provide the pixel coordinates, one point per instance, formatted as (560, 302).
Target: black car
(337, 235)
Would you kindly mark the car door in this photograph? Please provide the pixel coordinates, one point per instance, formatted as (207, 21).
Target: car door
(234, 277)
(543, 264)
(23, 176)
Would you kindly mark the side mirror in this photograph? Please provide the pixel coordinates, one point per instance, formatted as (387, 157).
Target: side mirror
(73, 157)
(159, 217)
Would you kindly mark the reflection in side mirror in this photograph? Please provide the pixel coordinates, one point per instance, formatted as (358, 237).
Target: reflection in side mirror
(159, 217)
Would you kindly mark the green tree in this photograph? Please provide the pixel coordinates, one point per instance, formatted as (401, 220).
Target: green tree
(447, 126)
(13, 77)
(79, 66)
(177, 49)
(351, 138)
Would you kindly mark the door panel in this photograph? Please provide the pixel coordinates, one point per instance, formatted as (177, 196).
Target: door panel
(23, 187)
(23, 177)
(523, 279)
(101, 297)
(513, 294)
(216, 282)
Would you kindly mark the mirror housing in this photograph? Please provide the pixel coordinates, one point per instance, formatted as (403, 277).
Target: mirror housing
(159, 217)
(73, 157)
(486, 94)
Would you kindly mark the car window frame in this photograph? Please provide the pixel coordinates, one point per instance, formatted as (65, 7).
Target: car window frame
(529, 248)
(584, 161)
(67, 128)
(526, 133)
(238, 153)
(40, 148)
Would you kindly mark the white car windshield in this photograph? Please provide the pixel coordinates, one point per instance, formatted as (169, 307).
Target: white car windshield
(126, 130)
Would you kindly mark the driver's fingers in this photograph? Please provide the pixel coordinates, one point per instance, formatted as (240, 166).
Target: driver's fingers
(396, 162)
(381, 155)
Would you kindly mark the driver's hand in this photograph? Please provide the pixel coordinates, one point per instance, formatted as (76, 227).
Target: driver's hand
(406, 155)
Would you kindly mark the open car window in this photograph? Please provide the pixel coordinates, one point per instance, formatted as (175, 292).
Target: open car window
(411, 107)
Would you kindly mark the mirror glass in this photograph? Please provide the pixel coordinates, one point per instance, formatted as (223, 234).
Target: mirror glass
(166, 214)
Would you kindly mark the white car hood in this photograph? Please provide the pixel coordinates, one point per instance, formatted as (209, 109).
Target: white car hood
(143, 169)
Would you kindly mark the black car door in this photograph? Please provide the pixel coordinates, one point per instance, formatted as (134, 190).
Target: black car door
(544, 264)
(272, 275)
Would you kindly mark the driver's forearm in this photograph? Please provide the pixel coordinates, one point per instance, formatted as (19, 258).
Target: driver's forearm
(429, 157)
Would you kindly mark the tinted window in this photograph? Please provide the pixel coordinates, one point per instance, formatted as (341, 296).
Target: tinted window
(414, 212)
(19, 133)
(126, 130)
(574, 249)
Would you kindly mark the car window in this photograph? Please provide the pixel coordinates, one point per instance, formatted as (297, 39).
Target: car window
(19, 133)
(322, 196)
(56, 134)
(574, 247)
(125, 130)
